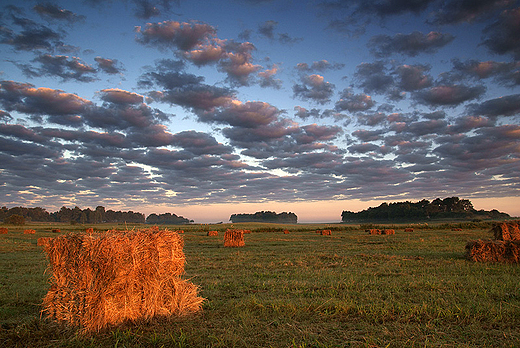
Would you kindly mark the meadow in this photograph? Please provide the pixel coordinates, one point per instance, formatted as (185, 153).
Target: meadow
(302, 289)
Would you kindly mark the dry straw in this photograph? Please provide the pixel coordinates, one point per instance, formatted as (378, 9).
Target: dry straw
(509, 230)
(104, 279)
(29, 231)
(3, 230)
(493, 251)
(373, 231)
(286, 232)
(212, 233)
(388, 232)
(234, 238)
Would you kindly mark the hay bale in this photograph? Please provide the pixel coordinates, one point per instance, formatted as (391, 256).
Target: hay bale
(318, 231)
(374, 231)
(388, 231)
(89, 230)
(326, 232)
(29, 231)
(509, 230)
(179, 231)
(105, 279)
(212, 233)
(56, 230)
(234, 238)
(286, 232)
(408, 229)
(493, 251)
(3, 230)
(246, 231)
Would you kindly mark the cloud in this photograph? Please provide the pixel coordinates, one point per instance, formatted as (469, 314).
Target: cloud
(354, 102)
(51, 11)
(408, 44)
(413, 77)
(319, 66)
(121, 97)
(65, 67)
(501, 37)
(181, 35)
(373, 77)
(238, 114)
(146, 9)
(507, 74)
(199, 143)
(267, 28)
(448, 95)
(456, 12)
(267, 78)
(503, 106)
(32, 37)
(315, 88)
(109, 66)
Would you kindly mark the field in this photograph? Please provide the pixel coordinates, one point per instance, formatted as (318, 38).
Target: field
(302, 289)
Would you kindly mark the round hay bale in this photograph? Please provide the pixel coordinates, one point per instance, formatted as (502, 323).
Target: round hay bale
(326, 232)
(29, 231)
(388, 232)
(3, 230)
(212, 233)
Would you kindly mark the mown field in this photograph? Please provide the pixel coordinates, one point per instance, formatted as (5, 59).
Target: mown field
(350, 289)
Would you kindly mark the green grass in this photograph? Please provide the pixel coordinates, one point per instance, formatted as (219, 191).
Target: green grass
(300, 289)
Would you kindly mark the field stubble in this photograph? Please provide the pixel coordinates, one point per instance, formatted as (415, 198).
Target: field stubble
(411, 289)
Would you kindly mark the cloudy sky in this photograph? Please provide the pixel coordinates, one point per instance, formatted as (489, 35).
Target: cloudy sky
(208, 108)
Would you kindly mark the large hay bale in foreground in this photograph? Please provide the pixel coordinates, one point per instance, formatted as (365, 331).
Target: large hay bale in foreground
(29, 231)
(212, 233)
(493, 251)
(3, 230)
(234, 238)
(509, 230)
(105, 279)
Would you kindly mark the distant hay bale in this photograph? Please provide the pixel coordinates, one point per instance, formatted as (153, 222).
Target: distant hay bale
(56, 230)
(29, 231)
(374, 231)
(3, 230)
(104, 279)
(493, 251)
(234, 238)
(246, 231)
(212, 233)
(408, 229)
(179, 231)
(509, 230)
(318, 231)
(388, 232)
(286, 232)
(326, 232)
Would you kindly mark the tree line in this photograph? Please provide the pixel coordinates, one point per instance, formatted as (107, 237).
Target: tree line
(265, 216)
(447, 208)
(85, 216)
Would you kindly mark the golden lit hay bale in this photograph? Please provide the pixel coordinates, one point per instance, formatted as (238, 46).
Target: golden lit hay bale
(246, 231)
(509, 230)
(326, 232)
(493, 251)
(56, 230)
(212, 233)
(286, 232)
(3, 230)
(179, 231)
(89, 230)
(408, 229)
(42, 241)
(105, 279)
(29, 231)
(388, 232)
(234, 238)
(318, 231)
(374, 231)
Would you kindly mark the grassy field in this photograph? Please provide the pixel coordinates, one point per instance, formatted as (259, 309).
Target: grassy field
(350, 289)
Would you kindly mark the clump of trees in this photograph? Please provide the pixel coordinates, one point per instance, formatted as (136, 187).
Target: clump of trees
(447, 208)
(265, 216)
(166, 218)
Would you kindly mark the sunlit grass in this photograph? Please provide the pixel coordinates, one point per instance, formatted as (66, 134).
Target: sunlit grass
(296, 290)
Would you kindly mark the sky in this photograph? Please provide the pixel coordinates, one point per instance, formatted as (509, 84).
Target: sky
(209, 108)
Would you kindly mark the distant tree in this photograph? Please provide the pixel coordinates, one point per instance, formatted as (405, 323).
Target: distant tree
(15, 219)
(167, 218)
(265, 216)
